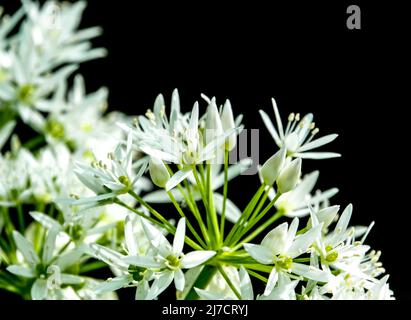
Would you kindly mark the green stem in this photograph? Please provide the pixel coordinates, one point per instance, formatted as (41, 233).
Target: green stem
(34, 142)
(254, 221)
(244, 216)
(169, 227)
(257, 275)
(20, 215)
(225, 188)
(189, 225)
(230, 284)
(260, 229)
(151, 209)
(196, 212)
(212, 211)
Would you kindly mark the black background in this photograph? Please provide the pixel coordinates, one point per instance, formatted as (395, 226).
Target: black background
(302, 54)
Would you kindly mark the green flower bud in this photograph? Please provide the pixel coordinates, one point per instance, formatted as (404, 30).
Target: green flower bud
(273, 166)
(289, 176)
(158, 172)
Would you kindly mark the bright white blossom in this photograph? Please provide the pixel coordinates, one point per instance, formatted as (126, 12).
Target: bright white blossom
(146, 199)
(298, 135)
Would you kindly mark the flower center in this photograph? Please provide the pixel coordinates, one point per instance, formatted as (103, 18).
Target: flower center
(172, 262)
(332, 256)
(55, 129)
(284, 262)
(26, 93)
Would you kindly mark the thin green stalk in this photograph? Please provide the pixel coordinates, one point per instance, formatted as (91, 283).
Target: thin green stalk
(260, 205)
(34, 142)
(191, 204)
(257, 275)
(254, 221)
(258, 267)
(150, 208)
(169, 227)
(20, 215)
(244, 216)
(225, 188)
(212, 211)
(230, 284)
(205, 202)
(189, 225)
(260, 229)
(196, 212)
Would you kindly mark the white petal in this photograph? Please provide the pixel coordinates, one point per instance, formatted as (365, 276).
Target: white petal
(278, 118)
(260, 253)
(304, 241)
(142, 291)
(342, 224)
(45, 220)
(142, 261)
(318, 142)
(270, 128)
(71, 279)
(207, 295)
(276, 239)
(311, 272)
(195, 258)
(113, 284)
(179, 236)
(49, 245)
(318, 155)
(108, 256)
(26, 249)
(179, 280)
(161, 196)
(5, 132)
(160, 284)
(272, 281)
(21, 271)
(39, 290)
(177, 178)
(291, 234)
(129, 236)
(246, 287)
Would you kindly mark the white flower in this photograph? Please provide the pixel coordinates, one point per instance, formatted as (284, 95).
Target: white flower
(47, 270)
(136, 243)
(109, 181)
(296, 137)
(179, 139)
(280, 246)
(166, 260)
(283, 290)
(295, 203)
(41, 55)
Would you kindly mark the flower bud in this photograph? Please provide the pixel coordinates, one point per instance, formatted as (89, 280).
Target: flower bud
(272, 167)
(214, 127)
(289, 176)
(227, 121)
(158, 172)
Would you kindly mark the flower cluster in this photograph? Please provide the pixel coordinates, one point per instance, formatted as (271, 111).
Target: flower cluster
(83, 193)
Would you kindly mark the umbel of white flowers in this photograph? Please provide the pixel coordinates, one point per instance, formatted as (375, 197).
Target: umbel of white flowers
(83, 193)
